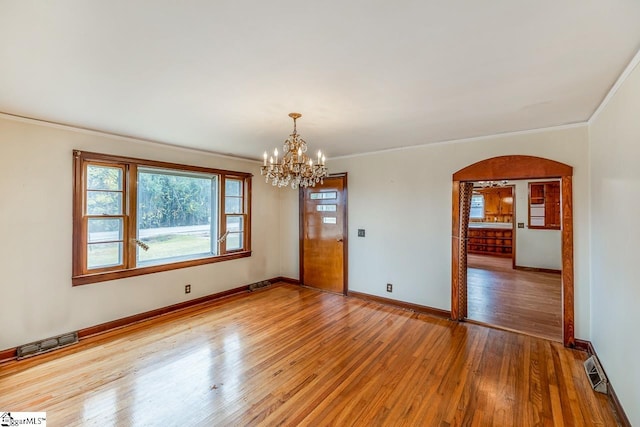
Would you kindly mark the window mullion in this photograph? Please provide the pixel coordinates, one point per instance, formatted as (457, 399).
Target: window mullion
(246, 204)
(222, 246)
(131, 223)
(215, 213)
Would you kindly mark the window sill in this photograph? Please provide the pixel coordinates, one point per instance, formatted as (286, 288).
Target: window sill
(86, 279)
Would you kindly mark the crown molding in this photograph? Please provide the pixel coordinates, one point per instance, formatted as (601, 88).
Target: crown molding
(122, 137)
(470, 139)
(616, 86)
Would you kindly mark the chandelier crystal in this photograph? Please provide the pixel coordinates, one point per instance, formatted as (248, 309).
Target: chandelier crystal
(294, 168)
(485, 184)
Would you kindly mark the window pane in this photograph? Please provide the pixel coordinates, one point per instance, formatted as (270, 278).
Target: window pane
(104, 203)
(105, 230)
(104, 178)
(233, 205)
(234, 224)
(235, 228)
(324, 195)
(104, 254)
(233, 187)
(326, 208)
(174, 216)
(234, 241)
(477, 206)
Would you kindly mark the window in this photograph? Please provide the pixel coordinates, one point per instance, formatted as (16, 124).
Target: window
(105, 219)
(135, 217)
(477, 207)
(544, 205)
(235, 219)
(174, 216)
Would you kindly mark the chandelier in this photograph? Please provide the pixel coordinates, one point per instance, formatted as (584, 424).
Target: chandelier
(294, 167)
(485, 184)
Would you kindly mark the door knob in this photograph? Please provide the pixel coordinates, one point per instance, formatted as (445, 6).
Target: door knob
(339, 240)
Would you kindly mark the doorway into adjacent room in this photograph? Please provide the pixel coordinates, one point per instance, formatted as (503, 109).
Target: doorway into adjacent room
(511, 168)
(515, 286)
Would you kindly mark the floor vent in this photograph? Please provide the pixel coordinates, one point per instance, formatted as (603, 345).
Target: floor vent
(595, 374)
(46, 345)
(259, 285)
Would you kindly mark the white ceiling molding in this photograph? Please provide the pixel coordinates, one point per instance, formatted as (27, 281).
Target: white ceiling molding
(87, 131)
(463, 140)
(616, 86)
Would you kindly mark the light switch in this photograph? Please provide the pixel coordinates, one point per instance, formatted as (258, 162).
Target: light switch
(360, 232)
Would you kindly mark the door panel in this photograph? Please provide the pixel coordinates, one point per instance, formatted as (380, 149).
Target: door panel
(323, 235)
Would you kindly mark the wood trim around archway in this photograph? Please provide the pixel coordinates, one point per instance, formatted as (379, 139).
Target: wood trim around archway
(513, 168)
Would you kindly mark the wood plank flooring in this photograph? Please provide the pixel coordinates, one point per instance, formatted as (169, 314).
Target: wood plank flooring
(525, 301)
(289, 355)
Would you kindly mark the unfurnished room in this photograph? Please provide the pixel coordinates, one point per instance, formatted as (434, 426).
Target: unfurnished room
(355, 213)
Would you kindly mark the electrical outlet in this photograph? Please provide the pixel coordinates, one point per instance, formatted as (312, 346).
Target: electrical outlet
(187, 289)
(389, 287)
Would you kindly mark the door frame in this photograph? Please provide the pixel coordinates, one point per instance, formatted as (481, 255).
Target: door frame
(345, 234)
(515, 167)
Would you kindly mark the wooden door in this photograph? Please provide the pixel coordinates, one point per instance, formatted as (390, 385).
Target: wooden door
(323, 235)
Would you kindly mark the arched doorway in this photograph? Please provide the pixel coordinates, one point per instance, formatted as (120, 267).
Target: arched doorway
(510, 168)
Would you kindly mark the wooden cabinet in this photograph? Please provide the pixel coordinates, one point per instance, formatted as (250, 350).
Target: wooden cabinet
(490, 241)
(498, 203)
(544, 205)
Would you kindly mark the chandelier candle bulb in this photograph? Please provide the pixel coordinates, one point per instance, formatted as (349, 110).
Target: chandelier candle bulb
(297, 168)
(265, 159)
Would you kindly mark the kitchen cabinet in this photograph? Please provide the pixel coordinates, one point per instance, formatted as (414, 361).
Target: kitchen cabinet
(544, 205)
(498, 203)
(490, 241)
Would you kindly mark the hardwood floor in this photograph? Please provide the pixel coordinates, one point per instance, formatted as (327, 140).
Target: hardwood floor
(289, 355)
(525, 301)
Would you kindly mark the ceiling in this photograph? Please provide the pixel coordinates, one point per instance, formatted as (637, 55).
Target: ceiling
(367, 75)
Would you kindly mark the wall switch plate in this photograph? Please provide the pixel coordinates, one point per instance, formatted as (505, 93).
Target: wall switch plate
(187, 289)
(360, 232)
(521, 225)
(389, 287)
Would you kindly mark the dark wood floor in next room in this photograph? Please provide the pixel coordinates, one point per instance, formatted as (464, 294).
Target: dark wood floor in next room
(288, 355)
(525, 301)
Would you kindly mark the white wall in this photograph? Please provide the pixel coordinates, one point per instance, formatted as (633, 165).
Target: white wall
(534, 247)
(290, 236)
(403, 200)
(38, 300)
(615, 235)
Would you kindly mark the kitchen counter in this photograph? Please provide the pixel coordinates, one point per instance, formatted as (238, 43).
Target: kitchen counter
(496, 225)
